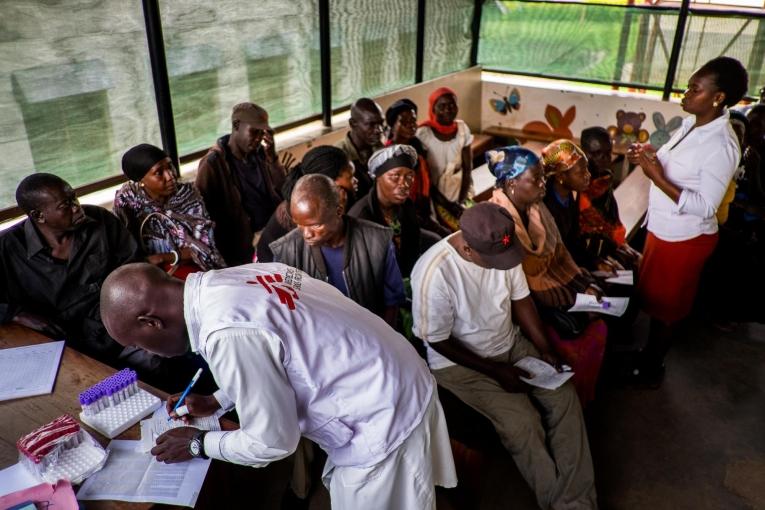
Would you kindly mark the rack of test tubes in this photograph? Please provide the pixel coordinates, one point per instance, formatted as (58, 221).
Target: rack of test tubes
(116, 403)
(61, 450)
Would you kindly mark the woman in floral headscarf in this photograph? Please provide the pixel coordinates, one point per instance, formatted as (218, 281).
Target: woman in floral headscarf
(554, 278)
(447, 141)
(168, 218)
(569, 183)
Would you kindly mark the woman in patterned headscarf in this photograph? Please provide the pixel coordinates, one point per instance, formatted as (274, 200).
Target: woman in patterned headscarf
(389, 203)
(554, 278)
(568, 180)
(168, 218)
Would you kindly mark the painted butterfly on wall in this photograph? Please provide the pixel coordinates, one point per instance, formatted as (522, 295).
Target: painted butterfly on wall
(506, 105)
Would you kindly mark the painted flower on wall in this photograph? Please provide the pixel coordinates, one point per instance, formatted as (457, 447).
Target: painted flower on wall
(557, 125)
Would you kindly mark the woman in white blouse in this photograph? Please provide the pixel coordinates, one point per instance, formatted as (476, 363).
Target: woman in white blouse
(689, 176)
(447, 141)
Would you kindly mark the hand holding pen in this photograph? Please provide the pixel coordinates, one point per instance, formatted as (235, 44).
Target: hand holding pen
(180, 409)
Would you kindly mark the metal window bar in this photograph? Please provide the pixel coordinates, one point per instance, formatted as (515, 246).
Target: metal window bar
(160, 76)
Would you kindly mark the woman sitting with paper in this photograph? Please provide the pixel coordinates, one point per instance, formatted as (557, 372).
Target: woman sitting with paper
(554, 278)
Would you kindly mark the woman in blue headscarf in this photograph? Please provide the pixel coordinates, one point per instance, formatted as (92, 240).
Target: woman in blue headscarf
(554, 278)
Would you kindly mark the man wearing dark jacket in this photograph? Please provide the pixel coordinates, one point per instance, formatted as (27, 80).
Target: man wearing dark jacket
(355, 256)
(240, 179)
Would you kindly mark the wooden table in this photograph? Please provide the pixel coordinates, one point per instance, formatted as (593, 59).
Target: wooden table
(225, 485)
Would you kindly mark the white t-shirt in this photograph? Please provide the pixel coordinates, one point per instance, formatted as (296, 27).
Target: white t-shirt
(454, 297)
(445, 158)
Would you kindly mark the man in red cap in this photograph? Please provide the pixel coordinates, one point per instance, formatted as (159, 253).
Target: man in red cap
(240, 179)
(469, 293)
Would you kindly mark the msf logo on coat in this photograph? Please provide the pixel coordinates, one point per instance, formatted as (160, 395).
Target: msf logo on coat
(285, 287)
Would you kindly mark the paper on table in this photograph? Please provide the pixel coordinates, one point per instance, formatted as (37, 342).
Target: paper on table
(622, 278)
(610, 306)
(30, 370)
(16, 478)
(137, 477)
(545, 375)
(157, 425)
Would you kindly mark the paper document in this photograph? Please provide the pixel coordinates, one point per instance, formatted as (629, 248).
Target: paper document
(157, 425)
(615, 306)
(30, 370)
(137, 477)
(545, 375)
(622, 278)
(16, 478)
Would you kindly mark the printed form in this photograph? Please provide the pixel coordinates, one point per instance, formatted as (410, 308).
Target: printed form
(130, 475)
(28, 371)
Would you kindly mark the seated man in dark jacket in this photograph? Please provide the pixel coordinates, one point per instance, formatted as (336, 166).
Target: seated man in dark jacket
(355, 256)
(240, 180)
(52, 266)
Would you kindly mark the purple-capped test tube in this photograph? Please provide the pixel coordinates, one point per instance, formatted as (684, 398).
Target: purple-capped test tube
(85, 403)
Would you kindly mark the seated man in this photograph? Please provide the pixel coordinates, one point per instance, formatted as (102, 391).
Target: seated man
(295, 358)
(356, 256)
(240, 180)
(363, 139)
(468, 291)
(52, 266)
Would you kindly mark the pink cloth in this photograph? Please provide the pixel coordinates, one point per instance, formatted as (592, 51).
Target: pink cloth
(59, 496)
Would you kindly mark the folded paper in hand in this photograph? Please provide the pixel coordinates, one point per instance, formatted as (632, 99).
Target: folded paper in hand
(622, 278)
(615, 306)
(544, 374)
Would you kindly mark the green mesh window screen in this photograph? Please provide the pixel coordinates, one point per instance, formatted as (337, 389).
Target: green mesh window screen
(707, 37)
(447, 36)
(607, 43)
(373, 47)
(77, 92)
(232, 51)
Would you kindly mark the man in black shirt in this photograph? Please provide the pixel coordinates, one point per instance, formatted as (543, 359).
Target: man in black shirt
(52, 266)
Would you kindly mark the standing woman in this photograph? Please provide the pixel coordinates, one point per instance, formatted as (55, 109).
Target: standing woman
(168, 218)
(450, 158)
(689, 176)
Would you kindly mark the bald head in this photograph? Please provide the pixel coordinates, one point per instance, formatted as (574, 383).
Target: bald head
(142, 306)
(317, 210)
(318, 189)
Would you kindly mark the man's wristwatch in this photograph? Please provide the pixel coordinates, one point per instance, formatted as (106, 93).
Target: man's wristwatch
(197, 445)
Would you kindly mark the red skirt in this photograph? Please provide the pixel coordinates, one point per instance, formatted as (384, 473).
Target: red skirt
(669, 275)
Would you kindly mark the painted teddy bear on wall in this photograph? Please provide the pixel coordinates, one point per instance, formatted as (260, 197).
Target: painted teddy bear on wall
(627, 130)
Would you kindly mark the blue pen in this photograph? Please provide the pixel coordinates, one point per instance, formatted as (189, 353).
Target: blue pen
(186, 392)
(605, 305)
